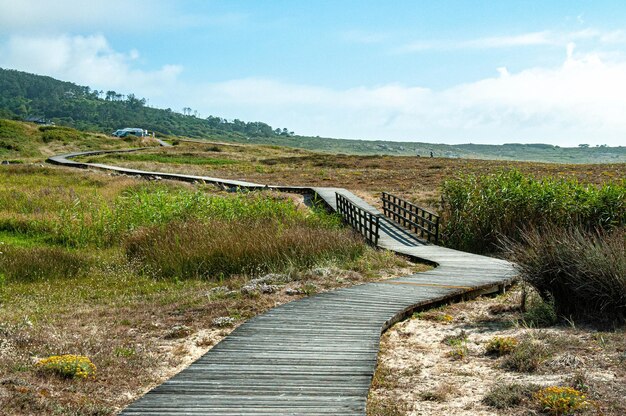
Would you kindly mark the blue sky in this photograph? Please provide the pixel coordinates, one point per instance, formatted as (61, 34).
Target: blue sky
(447, 71)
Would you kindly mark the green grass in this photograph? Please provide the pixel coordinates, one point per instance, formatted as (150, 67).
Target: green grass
(182, 159)
(217, 249)
(87, 210)
(172, 230)
(478, 211)
(19, 140)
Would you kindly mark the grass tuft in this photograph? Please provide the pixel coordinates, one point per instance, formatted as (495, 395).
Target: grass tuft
(479, 210)
(216, 249)
(582, 273)
(501, 346)
(509, 395)
(527, 356)
(29, 264)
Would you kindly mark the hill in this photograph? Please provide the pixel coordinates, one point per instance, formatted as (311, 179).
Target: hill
(27, 142)
(24, 95)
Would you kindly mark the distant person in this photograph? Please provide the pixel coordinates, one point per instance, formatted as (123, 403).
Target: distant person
(431, 154)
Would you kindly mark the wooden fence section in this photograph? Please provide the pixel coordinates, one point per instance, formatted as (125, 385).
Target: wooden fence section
(366, 223)
(422, 222)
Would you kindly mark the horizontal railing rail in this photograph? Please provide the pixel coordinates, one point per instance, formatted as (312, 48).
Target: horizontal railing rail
(416, 219)
(364, 222)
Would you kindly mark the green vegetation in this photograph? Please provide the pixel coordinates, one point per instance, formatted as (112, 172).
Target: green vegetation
(567, 238)
(182, 159)
(527, 355)
(501, 346)
(20, 141)
(65, 103)
(68, 366)
(478, 211)
(174, 230)
(217, 248)
(557, 400)
(509, 395)
(580, 274)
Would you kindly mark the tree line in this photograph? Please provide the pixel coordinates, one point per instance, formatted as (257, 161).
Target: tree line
(65, 103)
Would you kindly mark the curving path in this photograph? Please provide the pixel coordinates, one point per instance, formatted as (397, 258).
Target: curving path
(317, 355)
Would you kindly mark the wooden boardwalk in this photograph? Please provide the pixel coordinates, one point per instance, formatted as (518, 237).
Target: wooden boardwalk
(317, 355)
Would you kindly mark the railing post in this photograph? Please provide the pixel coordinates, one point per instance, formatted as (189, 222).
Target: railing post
(410, 216)
(361, 220)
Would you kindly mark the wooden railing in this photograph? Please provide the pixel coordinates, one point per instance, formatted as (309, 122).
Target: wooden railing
(364, 222)
(422, 222)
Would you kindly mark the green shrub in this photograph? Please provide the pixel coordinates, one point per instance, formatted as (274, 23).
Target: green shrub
(68, 366)
(500, 346)
(582, 273)
(509, 395)
(527, 356)
(561, 400)
(41, 263)
(217, 248)
(479, 210)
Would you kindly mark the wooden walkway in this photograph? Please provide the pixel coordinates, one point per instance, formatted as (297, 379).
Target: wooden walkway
(317, 355)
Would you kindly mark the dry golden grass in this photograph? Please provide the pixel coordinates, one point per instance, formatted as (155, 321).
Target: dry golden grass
(418, 179)
(136, 329)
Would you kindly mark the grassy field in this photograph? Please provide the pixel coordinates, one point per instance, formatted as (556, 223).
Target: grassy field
(26, 142)
(418, 179)
(513, 151)
(107, 266)
(78, 275)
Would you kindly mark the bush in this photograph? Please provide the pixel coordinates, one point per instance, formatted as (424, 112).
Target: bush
(561, 400)
(582, 273)
(41, 263)
(478, 210)
(540, 313)
(68, 366)
(218, 248)
(527, 356)
(509, 395)
(500, 346)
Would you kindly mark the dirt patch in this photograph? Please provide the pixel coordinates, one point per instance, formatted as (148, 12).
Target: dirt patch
(440, 366)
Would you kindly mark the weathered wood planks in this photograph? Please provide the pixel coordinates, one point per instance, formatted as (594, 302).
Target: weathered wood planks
(314, 356)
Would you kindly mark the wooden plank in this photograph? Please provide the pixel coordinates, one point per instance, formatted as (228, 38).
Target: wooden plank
(317, 355)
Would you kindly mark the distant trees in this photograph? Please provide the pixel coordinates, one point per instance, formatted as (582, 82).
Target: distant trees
(23, 94)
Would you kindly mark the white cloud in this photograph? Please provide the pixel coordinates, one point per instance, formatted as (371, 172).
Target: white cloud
(542, 38)
(86, 60)
(580, 101)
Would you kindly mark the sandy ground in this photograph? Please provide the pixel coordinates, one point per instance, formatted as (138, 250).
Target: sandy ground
(417, 368)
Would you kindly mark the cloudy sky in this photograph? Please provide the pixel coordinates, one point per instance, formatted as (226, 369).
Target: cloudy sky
(439, 71)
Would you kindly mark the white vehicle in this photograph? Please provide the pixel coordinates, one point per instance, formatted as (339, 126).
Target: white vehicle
(129, 131)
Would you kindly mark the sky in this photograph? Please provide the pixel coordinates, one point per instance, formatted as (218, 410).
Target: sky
(436, 71)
